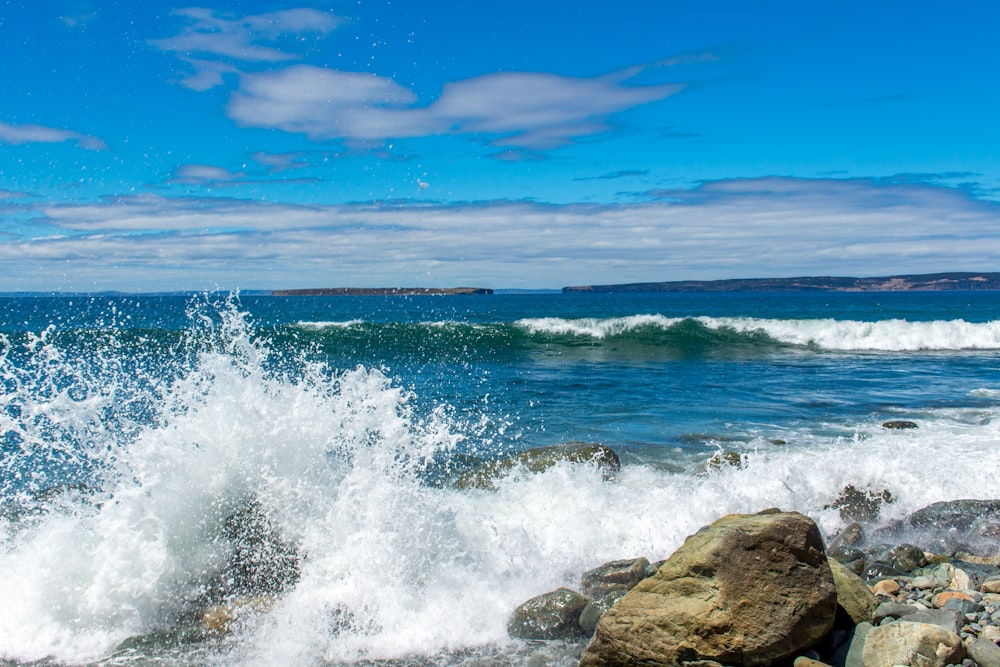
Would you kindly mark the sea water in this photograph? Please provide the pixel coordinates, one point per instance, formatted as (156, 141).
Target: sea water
(133, 430)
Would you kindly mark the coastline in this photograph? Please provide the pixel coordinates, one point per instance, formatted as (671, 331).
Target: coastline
(930, 282)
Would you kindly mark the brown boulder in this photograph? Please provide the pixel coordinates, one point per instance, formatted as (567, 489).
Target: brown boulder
(746, 590)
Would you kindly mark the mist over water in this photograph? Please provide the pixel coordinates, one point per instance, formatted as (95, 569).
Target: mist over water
(129, 445)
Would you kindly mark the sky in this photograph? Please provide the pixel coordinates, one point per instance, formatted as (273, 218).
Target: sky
(152, 146)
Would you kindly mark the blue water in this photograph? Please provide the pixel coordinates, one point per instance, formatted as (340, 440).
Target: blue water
(132, 427)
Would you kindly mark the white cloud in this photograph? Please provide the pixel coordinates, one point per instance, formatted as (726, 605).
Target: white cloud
(240, 38)
(202, 173)
(526, 109)
(724, 229)
(28, 134)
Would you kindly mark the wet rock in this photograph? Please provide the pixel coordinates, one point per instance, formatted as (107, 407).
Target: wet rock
(912, 644)
(853, 535)
(947, 527)
(748, 589)
(221, 618)
(262, 562)
(899, 424)
(540, 459)
(554, 615)
(860, 504)
(852, 593)
(906, 557)
(616, 575)
(592, 613)
(726, 458)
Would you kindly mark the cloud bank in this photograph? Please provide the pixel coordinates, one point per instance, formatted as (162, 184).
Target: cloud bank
(723, 229)
(30, 134)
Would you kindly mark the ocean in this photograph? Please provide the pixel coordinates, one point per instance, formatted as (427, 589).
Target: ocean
(138, 432)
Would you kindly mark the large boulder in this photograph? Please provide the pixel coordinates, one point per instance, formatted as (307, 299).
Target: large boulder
(746, 590)
(853, 594)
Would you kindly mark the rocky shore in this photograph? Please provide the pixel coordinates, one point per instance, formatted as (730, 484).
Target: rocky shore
(764, 589)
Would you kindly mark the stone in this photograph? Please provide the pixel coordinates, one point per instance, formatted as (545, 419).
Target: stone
(962, 606)
(947, 527)
(853, 535)
(539, 459)
(942, 597)
(912, 644)
(805, 661)
(221, 618)
(852, 593)
(906, 557)
(552, 615)
(747, 590)
(984, 652)
(860, 505)
(892, 610)
(991, 585)
(855, 648)
(945, 618)
(592, 613)
(616, 575)
(899, 424)
(886, 587)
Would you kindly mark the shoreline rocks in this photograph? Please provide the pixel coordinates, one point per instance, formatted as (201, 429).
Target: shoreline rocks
(721, 601)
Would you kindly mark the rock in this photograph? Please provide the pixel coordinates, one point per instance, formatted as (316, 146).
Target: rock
(912, 644)
(747, 590)
(892, 610)
(886, 587)
(540, 459)
(855, 648)
(962, 606)
(947, 527)
(899, 424)
(941, 598)
(860, 505)
(616, 575)
(727, 458)
(262, 562)
(853, 535)
(222, 617)
(852, 593)
(845, 554)
(906, 557)
(985, 653)
(805, 661)
(944, 618)
(553, 615)
(592, 613)
(991, 585)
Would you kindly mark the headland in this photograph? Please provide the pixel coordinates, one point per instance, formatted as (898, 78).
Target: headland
(931, 282)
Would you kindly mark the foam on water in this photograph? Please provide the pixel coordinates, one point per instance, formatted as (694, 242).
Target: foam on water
(392, 566)
(828, 334)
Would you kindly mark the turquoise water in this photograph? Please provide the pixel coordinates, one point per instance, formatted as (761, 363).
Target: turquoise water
(133, 427)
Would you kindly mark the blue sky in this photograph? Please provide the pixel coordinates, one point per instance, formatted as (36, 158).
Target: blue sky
(155, 146)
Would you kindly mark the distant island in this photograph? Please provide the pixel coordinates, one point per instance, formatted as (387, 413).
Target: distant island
(382, 291)
(931, 282)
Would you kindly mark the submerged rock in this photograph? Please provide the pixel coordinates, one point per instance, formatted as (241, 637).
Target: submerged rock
(899, 424)
(540, 459)
(860, 505)
(746, 590)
